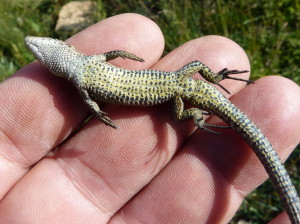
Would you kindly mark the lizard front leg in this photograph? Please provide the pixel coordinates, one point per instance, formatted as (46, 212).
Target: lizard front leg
(93, 106)
(192, 113)
(123, 54)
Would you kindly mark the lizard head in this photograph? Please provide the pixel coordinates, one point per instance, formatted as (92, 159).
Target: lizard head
(54, 54)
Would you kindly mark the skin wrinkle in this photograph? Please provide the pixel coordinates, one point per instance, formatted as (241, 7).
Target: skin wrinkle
(149, 160)
(229, 182)
(160, 162)
(10, 157)
(194, 164)
(238, 187)
(81, 187)
(162, 140)
(267, 119)
(13, 153)
(252, 103)
(26, 119)
(215, 178)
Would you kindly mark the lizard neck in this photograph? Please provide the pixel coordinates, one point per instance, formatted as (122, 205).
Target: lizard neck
(62, 63)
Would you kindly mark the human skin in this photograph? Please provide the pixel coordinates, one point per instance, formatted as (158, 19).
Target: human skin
(151, 169)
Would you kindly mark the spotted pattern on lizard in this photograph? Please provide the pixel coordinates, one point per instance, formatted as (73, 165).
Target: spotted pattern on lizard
(99, 81)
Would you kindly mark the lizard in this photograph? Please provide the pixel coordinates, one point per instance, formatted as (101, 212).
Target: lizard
(99, 81)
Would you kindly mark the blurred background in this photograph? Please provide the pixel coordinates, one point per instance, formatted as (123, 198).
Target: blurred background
(267, 30)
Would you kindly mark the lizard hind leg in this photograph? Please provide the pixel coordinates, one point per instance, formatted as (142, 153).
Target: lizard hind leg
(210, 76)
(192, 113)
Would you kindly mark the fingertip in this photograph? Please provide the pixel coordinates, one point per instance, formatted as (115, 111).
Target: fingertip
(217, 52)
(129, 32)
(222, 52)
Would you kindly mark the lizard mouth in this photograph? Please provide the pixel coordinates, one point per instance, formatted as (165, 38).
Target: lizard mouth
(33, 43)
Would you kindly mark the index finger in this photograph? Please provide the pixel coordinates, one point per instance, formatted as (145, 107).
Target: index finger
(38, 110)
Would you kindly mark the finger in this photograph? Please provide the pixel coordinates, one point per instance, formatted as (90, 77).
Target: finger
(103, 168)
(38, 110)
(207, 181)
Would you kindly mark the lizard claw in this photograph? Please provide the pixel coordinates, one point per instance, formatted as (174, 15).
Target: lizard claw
(224, 74)
(203, 126)
(108, 121)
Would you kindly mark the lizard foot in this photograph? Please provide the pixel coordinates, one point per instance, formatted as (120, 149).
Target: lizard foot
(224, 74)
(203, 126)
(106, 120)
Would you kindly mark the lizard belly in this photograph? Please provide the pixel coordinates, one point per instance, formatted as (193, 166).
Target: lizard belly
(130, 87)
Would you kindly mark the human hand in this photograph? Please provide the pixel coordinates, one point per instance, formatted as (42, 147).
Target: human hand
(132, 174)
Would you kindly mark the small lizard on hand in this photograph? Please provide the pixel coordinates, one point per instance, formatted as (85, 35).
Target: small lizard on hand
(97, 80)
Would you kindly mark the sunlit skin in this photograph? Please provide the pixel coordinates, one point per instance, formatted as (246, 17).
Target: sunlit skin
(92, 176)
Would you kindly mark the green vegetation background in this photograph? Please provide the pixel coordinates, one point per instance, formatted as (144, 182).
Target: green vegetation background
(267, 30)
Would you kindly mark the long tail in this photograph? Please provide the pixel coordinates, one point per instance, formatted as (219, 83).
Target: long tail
(267, 155)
